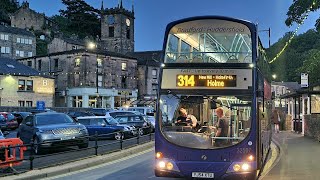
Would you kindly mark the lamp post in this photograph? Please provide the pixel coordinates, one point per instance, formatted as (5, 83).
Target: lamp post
(93, 46)
(269, 33)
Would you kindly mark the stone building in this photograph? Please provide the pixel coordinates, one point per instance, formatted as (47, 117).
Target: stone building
(22, 86)
(16, 43)
(26, 18)
(89, 78)
(148, 75)
(117, 29)
(60, 44)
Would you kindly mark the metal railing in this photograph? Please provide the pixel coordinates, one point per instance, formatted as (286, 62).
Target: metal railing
(99, 144)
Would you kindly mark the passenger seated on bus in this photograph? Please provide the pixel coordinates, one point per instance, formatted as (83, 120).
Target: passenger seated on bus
(222, 128)
(187, 119)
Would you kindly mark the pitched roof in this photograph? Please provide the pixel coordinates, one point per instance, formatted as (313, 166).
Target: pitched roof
(14, 30)
(153, 58)
(12, 67)
(99, 52)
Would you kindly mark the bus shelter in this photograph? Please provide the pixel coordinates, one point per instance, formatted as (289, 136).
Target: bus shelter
(300, 103)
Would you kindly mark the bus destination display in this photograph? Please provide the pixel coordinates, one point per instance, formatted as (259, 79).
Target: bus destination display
(202, 80)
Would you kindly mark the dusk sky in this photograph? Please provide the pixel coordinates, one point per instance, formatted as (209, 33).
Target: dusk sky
(152, 16)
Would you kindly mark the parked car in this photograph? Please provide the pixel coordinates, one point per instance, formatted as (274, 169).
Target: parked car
(100, 111)
(10, 120)
(3, 134)
(138, 121)
(75, 114)
(150, 119)
(35, 111)
(52, 129)
(107, 127)
(20, 116)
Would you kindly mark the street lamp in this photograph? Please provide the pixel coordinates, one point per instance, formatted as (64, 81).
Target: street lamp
(93, 46)
(269, 33)
(274, 76)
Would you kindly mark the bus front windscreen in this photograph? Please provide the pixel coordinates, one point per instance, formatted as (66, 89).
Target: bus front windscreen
(204, 122)
(209, 41)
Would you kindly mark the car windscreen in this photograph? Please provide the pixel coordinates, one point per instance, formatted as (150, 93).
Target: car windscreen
(53, 119)
(111, 121)
(10, 117)
(114, 114)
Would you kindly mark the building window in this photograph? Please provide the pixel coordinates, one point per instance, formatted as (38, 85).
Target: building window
(99, 61)
(154, 73)
(111, 31)
(29, 103)
(29, 63)
(18, 40)
(4, 37)
(22, 85)
(21, 103)
(29, 85)
(5, 50)
(123, 66)
(77, 62)
(99, 81)
(56, 64)
(123, 82)
(128, 33)
(29, 54)
(39, 65)
(154, 88)
(74, 47)
(20, 53)
(30, 41)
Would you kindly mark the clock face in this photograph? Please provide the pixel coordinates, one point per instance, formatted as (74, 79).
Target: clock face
(110, 19)
(128, 22)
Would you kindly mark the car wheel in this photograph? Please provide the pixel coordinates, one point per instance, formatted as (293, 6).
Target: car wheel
(36, 146)
(118, 136)
(140, 131)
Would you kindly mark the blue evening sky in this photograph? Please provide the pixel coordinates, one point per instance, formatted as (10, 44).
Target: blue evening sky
(152, 16)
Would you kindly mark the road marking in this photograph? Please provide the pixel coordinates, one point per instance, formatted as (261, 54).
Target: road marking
(272, 161)
(101, 165)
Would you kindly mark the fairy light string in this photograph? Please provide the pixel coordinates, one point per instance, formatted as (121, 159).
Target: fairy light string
(294, 34)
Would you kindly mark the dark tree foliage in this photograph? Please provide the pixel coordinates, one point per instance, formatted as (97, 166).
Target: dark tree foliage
(7, 7)
(82, 19)
(300, 57)
(299, 9)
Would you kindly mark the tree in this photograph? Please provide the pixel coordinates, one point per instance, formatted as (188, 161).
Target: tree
(82, 19)
(7, 7)
(311, 65)
(299, 9)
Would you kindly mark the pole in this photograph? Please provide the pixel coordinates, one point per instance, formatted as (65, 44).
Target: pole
(269, 36)
(97, 81)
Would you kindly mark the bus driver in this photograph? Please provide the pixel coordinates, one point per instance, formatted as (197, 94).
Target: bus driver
(187, 119)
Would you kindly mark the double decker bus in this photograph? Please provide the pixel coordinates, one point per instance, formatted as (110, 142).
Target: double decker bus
(211, 64)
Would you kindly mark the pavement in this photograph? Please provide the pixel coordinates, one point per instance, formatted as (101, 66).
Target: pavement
(79, 165)
(298, 158)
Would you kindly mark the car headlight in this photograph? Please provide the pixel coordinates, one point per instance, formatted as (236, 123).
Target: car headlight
(45, 131)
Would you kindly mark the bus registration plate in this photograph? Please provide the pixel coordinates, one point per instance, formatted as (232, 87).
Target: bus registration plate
(202, 175)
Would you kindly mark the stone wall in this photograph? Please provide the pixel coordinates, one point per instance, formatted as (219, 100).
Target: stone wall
(312, 126)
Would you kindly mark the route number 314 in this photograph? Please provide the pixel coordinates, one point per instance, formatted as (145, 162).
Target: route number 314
(185, 80)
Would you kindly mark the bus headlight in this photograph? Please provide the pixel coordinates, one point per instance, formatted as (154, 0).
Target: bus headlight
(166, 165)
(245, 167)
(241, 167)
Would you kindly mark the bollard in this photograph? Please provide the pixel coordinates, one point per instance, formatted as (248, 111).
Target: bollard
(96, 142)
(138, 137)
(31, 157)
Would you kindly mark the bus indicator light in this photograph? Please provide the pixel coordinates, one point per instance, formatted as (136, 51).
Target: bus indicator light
(236, 167)
(169, 166)
(250, 158)
(159, 155)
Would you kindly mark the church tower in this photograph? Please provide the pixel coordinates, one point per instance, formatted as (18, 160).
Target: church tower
(117, 29)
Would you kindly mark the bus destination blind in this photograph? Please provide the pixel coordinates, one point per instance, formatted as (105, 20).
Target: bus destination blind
(209, 81)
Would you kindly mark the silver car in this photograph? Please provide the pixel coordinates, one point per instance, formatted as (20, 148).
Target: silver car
(52, 129)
